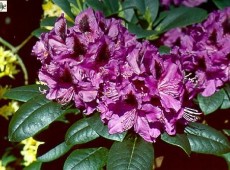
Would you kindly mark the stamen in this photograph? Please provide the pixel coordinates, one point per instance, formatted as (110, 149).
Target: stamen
(191, 115)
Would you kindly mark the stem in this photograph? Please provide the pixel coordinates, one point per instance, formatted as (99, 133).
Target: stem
(15, 51)
(4, 42)
(22, 44)
(23, 69)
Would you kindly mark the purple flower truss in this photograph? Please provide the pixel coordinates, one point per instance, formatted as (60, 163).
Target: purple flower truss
(204, 52)
(188, 3)
(100, 66)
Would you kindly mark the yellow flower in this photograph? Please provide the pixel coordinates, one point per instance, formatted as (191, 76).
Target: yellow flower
(50, 9)
(1, 166)
(9, 110)
(8, 63)
(29, 150)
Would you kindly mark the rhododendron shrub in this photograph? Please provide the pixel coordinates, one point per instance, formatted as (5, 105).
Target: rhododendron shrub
(99, 65)
(109, 74)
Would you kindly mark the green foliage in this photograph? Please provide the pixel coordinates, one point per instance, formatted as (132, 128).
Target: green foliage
(24, 93)
(101, 129)
(212, 103)
(132, 153)
(32, 117)
(65, 6)
(54, 153)
(83, 159)
(180, 17)
(180, 140)
(80, 132)
(207, 140)
(34, 166)
(221, 4)
(153, 7)
(226, 100)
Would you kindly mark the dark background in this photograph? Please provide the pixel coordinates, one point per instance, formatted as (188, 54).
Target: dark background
(21, 18)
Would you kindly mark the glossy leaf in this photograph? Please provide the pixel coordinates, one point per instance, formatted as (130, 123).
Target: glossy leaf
(98, 5)
(153, 6)
(48, 21)
(54, 153)
(80, 132)
(205, 139)
(85, 159)
(212, 103)
(102, 130)
(34, 166)
(37, 33)
(180, 17)
(112, 5)
(227, 158)
(32, 117)
(180, 140)
(164, 50)
(221, 4)
(226, 100)
(74, 2)
(139, 32)
(65, 6)
(24, 93)
(136, 4)
(132, 153)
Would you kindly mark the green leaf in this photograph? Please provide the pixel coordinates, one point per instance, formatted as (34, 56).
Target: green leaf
(132, 153)
(112, 5)
(102, 130)
(65, 6)
(139, 32)
(153, 6)
(180, 140)
(48, 21)
(74, 2)
(97, 5)
(37, 33)
(212, 103)
(80, 132)
(34, 166)
(24, 93)
(136, 4)
(32, 117)
(86, 159)
(221, 4)
(227, 158)
(6, 159)
(164, 50)
(207, 140)
(180, 17)
(226, 100)
(55, 153)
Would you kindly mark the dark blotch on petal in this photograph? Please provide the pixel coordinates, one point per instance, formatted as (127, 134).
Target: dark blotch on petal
(103, 54)
(201, 64)
(84, 24)
(213, 37)
(226, 26)
(131, 100)
(158, 69)
(66, 76)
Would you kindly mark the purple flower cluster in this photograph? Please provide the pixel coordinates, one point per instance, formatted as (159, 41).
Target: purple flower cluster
(188, 3)
(100, 66)
(204, 51)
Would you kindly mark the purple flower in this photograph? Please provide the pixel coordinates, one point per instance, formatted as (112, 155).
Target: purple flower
(99, 66)
(203, 50)
(188, 3)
